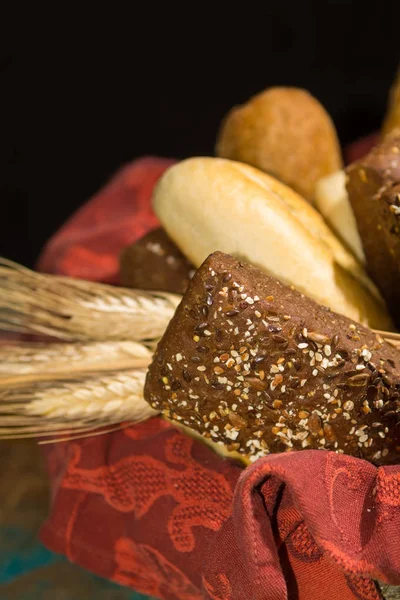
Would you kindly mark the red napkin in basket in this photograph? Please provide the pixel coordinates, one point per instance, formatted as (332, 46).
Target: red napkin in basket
(153, 509)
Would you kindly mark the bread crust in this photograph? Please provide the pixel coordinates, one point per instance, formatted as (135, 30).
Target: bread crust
(155, 263)
(332, 201)
(373, 188)
(209, 204)
(286, 132)
(257, 367)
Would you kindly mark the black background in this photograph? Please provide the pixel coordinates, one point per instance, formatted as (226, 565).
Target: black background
(92, 92)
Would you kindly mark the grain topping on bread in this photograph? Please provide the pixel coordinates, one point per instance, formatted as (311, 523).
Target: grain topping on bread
(251, 364)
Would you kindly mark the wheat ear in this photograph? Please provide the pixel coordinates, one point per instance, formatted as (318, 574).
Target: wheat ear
(76, 310)
(80, 405)
(23, 363)
(390, 337)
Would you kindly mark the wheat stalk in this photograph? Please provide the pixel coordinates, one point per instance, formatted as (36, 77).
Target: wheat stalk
(23, 363)
(389, 592)
(390, 337)
(76, 310)
(106, 325)
(80, 405)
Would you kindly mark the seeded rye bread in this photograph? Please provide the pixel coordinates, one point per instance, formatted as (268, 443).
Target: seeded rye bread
(373, 187)
(251, 364)
(155, 263)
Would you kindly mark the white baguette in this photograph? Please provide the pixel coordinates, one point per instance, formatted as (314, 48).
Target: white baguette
(209, 204)
(332, 201)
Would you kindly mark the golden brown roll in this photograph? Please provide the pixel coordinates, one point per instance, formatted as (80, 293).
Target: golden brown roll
(285, 132)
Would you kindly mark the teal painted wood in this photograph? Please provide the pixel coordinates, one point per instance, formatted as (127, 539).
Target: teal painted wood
(21, 552)
(23, 556)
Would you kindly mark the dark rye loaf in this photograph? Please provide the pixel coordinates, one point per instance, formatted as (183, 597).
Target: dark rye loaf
(253, 365)
(373, 187)
(155, 263)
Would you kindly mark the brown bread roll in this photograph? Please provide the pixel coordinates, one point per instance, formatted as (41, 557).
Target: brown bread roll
(257, 367)
(285, 132)
(155, 263)
(373, 188)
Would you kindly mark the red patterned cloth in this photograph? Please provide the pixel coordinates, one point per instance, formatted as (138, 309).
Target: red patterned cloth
(89, 244)
(152, 509)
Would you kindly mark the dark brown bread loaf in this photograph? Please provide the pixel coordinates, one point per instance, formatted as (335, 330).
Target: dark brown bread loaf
(155, 263)
(373, 187)
(251, 364)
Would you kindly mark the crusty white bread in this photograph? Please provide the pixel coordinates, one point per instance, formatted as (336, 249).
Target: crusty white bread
(209, 204)
(332, 201)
